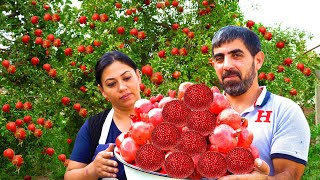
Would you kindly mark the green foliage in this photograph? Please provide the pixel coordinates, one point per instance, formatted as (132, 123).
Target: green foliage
(33, 84)
(313, 167)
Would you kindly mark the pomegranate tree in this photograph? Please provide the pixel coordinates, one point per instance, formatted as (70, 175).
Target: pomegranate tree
(49, 51)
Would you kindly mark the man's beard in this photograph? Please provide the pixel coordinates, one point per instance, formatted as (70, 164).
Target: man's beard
(236, 87)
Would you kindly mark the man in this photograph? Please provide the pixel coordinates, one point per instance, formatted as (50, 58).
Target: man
(281, 131)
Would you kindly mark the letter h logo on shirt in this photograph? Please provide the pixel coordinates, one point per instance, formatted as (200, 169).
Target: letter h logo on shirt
(263, 116)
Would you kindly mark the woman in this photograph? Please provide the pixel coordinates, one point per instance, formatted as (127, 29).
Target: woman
(118, 80)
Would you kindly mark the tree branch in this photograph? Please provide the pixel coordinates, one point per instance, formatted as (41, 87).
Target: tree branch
(163, 25)
(311, 49)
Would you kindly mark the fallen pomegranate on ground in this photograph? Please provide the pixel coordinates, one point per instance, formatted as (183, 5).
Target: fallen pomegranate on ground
(197, 135)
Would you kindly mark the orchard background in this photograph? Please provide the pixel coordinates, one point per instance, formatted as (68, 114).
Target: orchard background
(49, 50)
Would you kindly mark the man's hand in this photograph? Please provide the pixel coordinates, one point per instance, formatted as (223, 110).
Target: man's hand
(260, 172)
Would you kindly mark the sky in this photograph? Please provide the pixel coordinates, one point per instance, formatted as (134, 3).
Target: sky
(303, 15)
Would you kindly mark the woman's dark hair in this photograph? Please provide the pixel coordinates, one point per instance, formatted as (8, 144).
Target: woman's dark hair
(110, 57)
(230, 33)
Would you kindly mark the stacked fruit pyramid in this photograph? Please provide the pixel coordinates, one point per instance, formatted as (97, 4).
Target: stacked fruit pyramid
(196, 135)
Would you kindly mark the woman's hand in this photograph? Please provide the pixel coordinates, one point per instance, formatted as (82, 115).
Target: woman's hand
(103, 165)
(260, 172)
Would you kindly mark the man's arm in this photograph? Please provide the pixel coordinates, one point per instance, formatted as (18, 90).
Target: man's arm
(286, 169)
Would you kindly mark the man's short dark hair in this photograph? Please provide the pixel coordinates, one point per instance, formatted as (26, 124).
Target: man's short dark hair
(230, 33)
